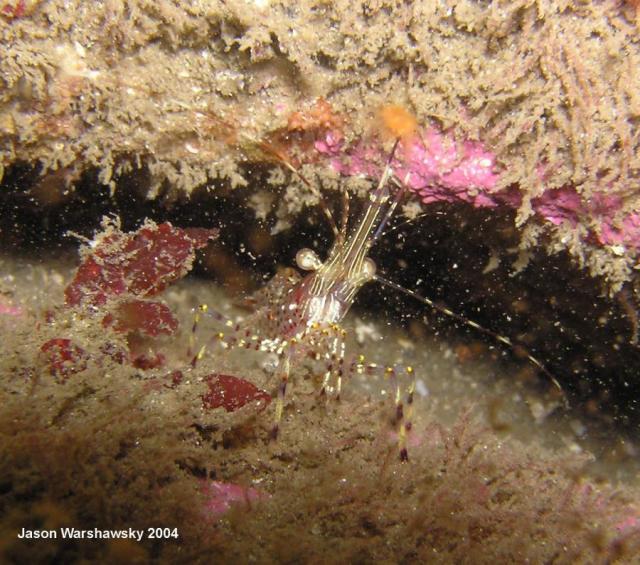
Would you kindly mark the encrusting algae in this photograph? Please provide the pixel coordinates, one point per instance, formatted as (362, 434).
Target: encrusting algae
(549, 88)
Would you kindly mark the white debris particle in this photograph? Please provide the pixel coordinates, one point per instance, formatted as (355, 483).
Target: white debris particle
(261, 203)
(412, 210)
(578, 428)
(406, 344)
(366, 331)
(421, 388)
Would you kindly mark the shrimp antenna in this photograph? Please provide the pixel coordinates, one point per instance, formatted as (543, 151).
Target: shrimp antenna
(378, 194)
(398, 197)
(502, 339)
(406, 222)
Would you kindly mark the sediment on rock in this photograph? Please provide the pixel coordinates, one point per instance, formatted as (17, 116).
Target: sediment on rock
(549, 87)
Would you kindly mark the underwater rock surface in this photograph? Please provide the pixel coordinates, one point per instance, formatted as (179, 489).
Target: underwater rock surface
(183, 90)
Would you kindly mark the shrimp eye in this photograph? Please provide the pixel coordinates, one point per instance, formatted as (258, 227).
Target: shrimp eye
(308, 260)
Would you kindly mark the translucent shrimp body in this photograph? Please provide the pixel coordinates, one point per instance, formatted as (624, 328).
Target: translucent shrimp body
(312, 309)
(326, 295)
(299, 317)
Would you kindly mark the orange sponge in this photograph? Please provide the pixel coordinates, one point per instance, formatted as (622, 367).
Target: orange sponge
(398, 122)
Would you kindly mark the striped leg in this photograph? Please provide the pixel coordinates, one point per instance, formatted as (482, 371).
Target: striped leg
(404, 415)
(403, 409)
(284, 369)
(235, 338)
(335, 359)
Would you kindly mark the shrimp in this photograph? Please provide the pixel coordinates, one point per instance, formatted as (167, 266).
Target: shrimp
(300, 315)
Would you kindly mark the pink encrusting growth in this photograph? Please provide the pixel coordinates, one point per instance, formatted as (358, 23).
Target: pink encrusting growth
(8, 309)
(625, 232)
(565, 205)
(439, 168)
(434, 166)
(219, 497)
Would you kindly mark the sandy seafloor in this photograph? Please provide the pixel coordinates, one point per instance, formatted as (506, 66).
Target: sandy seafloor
(498, 470)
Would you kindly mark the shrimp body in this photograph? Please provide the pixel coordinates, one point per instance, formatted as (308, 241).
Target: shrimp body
(298, 317)
(326, 294)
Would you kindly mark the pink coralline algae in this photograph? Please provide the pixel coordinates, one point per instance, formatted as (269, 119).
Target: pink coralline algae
(559, 205)
(434, 166)
(626, 232)
(565, 205)
(8, 309)
(439, 168)
(220, 497)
